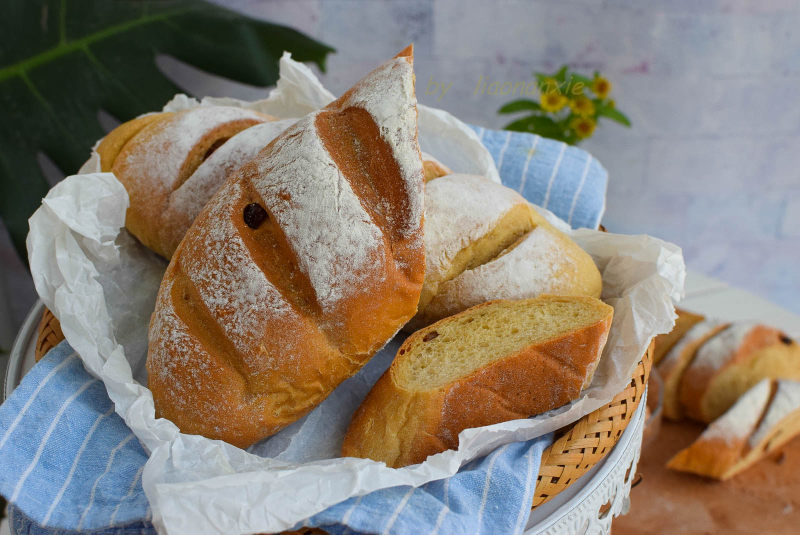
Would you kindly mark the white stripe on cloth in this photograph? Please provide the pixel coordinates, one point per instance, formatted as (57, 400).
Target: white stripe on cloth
(526, 503)
(527, 162)
(440, 520)
(497, 454)
(480, 136)
(346, 516)
(580, 187)
(97, 481)
(399, 508)
(128, 495)
(503, 152)
(75, 465)
(553, 175)
(33, 397)
(46, 437)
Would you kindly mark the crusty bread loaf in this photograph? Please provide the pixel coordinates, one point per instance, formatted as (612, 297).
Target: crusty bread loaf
(497, 361)
(664, 342)
(304, 263)
(728, 364)
(163, 203)
(761, 421)
(484, 241)
(157, 161)
(674, 363)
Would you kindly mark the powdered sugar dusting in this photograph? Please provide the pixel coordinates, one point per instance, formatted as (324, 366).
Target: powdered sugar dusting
(160, 157)
(785, 401)
(387, 93)
(336, 243)
(718, 350)
(527, 270)
(740, 420)
(459, 210)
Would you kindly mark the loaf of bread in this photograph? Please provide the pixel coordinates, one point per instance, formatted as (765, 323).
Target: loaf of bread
(484, 241)
(497, 361)
(163, 202)
(664, 342)
(302, 265)
(761, 421)
(674, 363)
(167, 164)
(728, 364)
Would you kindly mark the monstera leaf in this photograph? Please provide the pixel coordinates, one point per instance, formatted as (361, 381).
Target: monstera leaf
(62, 61)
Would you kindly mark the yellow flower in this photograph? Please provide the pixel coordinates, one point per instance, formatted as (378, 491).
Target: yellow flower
(553, 101)
(582, 106)
(583, 126)
(601, 87)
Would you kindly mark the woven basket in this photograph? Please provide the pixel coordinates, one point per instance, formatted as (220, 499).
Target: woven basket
(574, 452)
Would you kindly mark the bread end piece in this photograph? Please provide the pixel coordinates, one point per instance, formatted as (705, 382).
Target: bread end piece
(497, 361)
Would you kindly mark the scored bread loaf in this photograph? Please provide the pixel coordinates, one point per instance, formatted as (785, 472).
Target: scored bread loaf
(303, 264)
(163, 203)
(497, 361)
(761, 421)
(664, 342)
(484, 241)
(674, 363)
(728, 364)
(156, 158)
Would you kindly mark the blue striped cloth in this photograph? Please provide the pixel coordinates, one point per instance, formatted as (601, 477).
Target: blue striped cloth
(70, 463)
(566, 180)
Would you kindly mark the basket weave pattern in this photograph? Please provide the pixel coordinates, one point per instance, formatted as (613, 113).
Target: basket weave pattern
(575, 452)
(585, 443)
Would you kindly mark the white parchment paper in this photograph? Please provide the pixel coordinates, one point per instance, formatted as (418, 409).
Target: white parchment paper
(101, 284)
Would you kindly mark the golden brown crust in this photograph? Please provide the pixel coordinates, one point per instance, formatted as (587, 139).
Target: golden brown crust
(258, 320)
(664, 342)
(111, 145)
(696, 382)
(161, 155)
(401, 427)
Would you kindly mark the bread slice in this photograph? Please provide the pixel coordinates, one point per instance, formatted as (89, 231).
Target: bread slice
(733, 361)
(664, 342)
(765, 418)
(498, 361)
(674, 363)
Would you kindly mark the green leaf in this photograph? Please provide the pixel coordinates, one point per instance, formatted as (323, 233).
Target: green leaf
(520, 105)
(614, 114)
(537, 124)
(561, 75)
(64, 60)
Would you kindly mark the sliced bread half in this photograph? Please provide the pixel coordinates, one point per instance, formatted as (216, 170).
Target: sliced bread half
(497, 361)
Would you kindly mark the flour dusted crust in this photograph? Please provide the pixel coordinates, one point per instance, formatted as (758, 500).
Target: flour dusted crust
(728, 364)
(160, 157)
(761, 421)
(674, 363)
(484, 241)
(255, 325)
